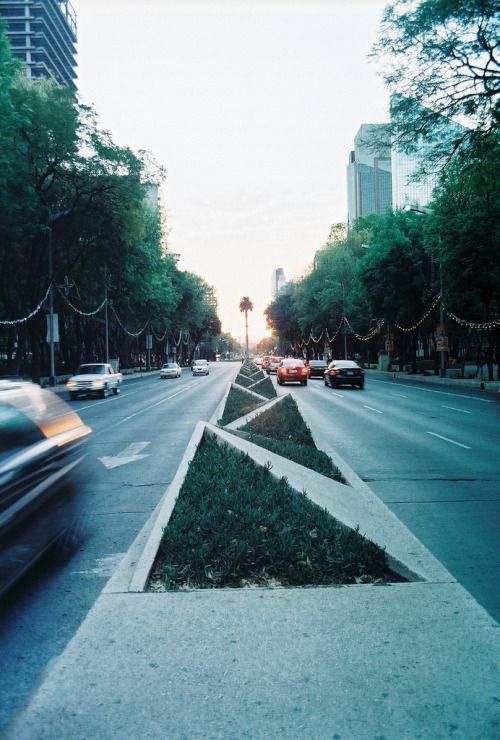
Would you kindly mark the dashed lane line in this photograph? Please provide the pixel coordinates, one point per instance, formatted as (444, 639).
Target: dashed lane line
(451, 441)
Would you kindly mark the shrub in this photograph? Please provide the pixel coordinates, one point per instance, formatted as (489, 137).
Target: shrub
(238, 403)
(234, 524)
(282, 421)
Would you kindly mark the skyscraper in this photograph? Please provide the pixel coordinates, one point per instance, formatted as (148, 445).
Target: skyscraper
(278, 281)
(42, 34)
(369, 181)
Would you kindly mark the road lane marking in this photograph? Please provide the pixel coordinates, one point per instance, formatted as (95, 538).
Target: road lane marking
(431, 390)
(153, 405)
(399, 395)
(452, 441)
(372, 409)
(452, 408)
(126, 456)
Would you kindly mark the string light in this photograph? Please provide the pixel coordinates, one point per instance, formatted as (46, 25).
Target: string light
(30, 315)
(426, 314)
(485, 326)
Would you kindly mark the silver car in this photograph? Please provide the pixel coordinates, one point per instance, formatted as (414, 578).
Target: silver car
(170, 370)
(200, 367)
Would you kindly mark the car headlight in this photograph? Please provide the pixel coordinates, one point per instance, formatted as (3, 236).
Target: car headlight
(71, 384)
(98, 384)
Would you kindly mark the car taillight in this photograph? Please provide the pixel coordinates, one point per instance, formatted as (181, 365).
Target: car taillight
(305, 371)
(333, 372)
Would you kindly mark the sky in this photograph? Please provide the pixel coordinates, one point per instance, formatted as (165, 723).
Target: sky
(252, 107)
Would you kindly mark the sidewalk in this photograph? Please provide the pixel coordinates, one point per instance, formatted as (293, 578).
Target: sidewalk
(405, 660)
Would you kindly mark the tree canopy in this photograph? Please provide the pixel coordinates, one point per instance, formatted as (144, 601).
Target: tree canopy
(440, 59)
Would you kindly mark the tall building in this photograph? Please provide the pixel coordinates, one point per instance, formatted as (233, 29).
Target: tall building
(42, 34)
(369, 181)
(277, 282)
(409, 186)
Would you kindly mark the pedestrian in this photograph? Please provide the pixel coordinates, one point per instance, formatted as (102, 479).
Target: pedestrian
(479, 363)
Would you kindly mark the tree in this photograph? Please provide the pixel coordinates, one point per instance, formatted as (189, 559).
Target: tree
(246, 305)
(463, 232)
(440, 58)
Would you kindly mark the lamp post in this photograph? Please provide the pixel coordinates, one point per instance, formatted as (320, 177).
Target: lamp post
(343, 319)
(442, 360)
(53, 217)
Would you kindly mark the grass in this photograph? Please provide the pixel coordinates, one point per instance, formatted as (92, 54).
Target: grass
(235, 525)
(282, 430)
(265, 388)
(238, 403)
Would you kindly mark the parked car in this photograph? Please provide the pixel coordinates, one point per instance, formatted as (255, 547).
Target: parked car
(273, 364)
(200, 367)
(292, 371)
(42, 451)
(344, 372)
(94, 379)
(317, 368)
(170, 370)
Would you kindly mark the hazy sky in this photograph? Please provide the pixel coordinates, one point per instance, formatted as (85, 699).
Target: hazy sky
(252, 107)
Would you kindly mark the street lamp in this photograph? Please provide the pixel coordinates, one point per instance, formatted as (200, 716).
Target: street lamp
(53, 217)
(343, 318)
(442, 362)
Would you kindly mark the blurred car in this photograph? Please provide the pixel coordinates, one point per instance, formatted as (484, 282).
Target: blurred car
(344, 372)
(292, 371)
(273, 364)
(42, 451)
(200, 367)
(170, 370)
(258, 360)
(317, 368)
(266, 359)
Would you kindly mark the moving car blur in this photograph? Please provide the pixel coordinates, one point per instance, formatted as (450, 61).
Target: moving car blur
(170, 370)
(272, 365)
(344, 372)
(42, 450)
(292, 371)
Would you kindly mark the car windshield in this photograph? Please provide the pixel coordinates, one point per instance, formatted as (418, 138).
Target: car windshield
(317, 363)
(292, 363)
(200, 362)
(91, 370)
(170, 366)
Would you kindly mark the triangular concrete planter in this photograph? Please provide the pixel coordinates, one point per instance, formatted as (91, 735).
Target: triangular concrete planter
(354, 505)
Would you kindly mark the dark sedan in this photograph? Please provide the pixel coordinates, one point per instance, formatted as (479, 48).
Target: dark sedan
(344, 372)
(317, 368)
(42, 446)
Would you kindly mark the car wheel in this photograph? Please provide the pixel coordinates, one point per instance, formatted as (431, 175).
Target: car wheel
(73, 396)
(303, 382)
(104, 392)
(116, 390)
(361, 386)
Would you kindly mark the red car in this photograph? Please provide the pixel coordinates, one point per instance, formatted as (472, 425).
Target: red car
(292, 371)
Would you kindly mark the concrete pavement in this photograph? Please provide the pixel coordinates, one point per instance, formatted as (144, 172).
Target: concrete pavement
(407, 660)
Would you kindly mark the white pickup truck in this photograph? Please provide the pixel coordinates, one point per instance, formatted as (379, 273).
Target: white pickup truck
(94, 379)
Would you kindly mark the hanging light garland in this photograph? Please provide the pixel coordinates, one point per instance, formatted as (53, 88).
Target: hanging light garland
(332, 339)
(77, 310)
(485, 326)
(30, 315)
(366, 337)
(422, 319)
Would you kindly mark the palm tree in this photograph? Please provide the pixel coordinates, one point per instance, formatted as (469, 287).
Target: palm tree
(246, 305)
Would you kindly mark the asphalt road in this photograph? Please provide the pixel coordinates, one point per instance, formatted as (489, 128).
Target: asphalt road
(138, 440)
(432, 455)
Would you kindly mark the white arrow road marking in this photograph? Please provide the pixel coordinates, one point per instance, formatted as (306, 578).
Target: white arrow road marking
(128, 455)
